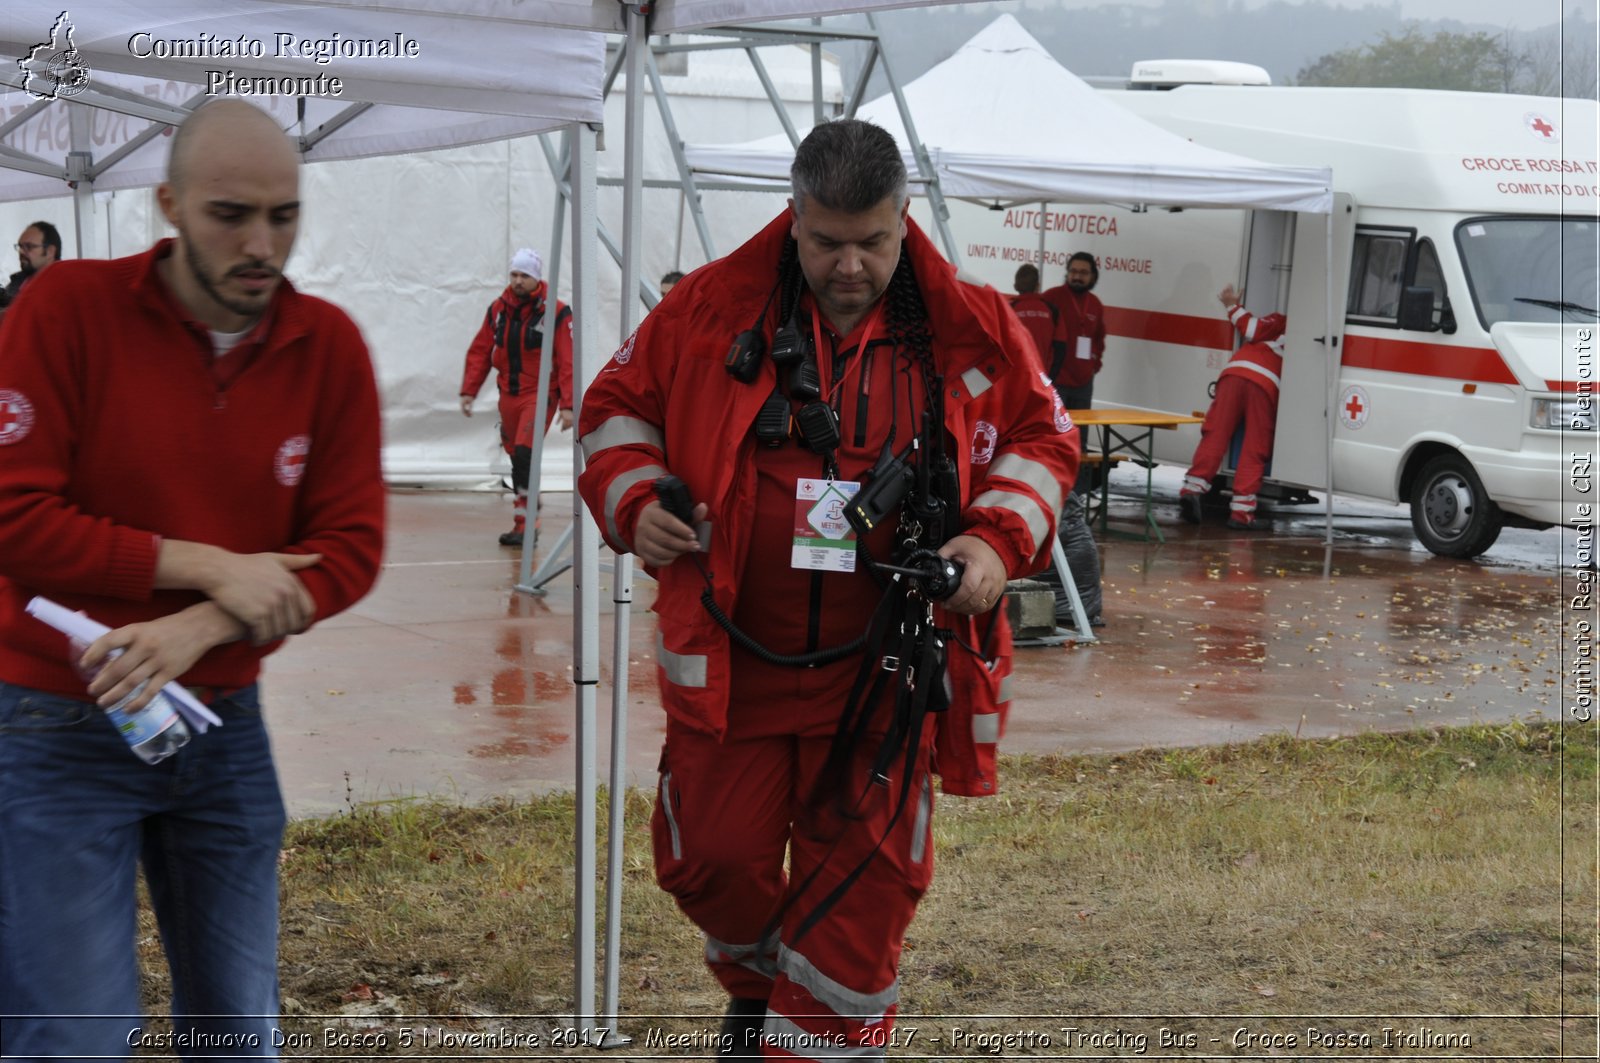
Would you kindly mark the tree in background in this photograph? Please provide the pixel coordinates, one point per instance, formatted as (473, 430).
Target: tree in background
(1469, 62)
(1545, 63)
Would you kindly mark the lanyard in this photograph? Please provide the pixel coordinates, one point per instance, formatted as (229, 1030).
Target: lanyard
(873, 320)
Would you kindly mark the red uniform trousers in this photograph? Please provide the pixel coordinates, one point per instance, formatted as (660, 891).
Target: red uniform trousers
(1238, 399)
(516, 420)
(721, 827)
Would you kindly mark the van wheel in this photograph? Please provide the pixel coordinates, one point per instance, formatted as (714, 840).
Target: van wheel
(1450, 512)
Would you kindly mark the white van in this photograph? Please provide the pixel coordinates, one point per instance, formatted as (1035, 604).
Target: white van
(1460, 362)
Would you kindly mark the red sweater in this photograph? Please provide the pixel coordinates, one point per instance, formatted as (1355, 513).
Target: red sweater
(119, 427)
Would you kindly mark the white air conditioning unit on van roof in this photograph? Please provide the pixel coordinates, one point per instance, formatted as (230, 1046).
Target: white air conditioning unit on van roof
(1170, 73)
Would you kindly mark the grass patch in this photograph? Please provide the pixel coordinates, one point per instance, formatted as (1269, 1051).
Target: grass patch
(1382, 875)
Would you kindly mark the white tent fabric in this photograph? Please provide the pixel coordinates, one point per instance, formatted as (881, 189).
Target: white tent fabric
(462, 82)
(1001, 119)
(666, 16)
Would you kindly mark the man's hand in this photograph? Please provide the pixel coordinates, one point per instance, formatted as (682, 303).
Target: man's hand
(566, 420)
(659, 538)
(983, 584)
(155, 652)
(1229, 298)
(262, 592)
(466, 405)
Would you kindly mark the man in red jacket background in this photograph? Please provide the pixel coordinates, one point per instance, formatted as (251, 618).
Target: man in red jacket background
(1081, 341)
(189, 453)
(1035, 312)
(1247, 392)
(511, 342)
(771, 382)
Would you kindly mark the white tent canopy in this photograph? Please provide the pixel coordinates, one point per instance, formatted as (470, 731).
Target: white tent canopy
(1002, 120)
(463, 82)
(609, 16)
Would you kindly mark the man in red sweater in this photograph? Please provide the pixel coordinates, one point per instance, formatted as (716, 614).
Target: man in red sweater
(189, 453)
(511, 341)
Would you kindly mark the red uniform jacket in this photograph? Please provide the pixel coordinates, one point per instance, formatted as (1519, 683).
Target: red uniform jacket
(1260, 360)
(511, 341)
(664, 401)
(1041, 319)
(1082, 316)
(118, 426)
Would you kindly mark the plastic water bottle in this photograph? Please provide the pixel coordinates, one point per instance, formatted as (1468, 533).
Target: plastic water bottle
(155, 732)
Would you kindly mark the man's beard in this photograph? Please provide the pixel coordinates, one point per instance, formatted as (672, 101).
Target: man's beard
(197, 268)
(1080, 286)
(27, 268)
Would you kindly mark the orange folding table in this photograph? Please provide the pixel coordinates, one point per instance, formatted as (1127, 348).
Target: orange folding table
(1130, 432)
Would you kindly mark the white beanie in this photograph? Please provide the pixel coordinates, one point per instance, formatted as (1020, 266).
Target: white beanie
(527, 260)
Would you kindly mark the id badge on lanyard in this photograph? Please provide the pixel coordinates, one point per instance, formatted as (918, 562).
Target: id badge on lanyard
(823, 539)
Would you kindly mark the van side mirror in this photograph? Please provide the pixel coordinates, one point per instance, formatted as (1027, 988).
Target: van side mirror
(1416, 310)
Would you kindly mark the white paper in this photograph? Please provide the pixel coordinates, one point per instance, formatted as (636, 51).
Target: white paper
(80, 627)
(1084, 350)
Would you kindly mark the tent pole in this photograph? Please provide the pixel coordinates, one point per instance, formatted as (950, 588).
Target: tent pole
(542, 403)
(622, 571)
(586, 580)
(941, 210)
(80, 172)
(1331, 375)
(818, 113)
(691, 195)
(1044, 221)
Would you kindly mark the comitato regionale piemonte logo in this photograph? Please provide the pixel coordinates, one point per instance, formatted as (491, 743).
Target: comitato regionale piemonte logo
(55, 69)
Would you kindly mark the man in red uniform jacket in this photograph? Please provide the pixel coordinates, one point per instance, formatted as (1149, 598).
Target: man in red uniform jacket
(842, 327)
(1081, 340)
(511, 341)
(1247, 391)
(189, 453)
(1035, 312)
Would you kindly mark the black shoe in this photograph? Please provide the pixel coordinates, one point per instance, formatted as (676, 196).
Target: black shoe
(511, 538)
(1241, 524)
(1189, 508)
(741, 1028)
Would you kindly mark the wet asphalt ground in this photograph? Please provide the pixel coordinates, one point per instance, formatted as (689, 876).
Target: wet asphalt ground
(447, 682)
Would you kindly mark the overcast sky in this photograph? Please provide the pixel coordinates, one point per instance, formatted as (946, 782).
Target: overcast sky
(1518, 14)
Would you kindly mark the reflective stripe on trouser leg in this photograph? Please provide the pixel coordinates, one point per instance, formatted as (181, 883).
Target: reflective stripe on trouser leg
(1243, 504)
(838, 985)
(719, 833)
(1193, 485)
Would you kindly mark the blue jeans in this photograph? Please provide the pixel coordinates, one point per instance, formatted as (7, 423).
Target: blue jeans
(78, 812)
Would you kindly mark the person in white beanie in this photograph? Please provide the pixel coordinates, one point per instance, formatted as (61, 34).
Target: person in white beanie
(511, 341)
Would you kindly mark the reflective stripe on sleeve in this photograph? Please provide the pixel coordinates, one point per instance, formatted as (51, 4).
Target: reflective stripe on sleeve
(1005, 691)
(1023, 506)
(975, 381)
(866, 1008)
(986, 727)
(682, 669)
(622, 431)
(618, 488)
(1035, 474)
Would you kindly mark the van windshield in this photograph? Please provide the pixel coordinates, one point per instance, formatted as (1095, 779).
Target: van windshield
(1529, 268)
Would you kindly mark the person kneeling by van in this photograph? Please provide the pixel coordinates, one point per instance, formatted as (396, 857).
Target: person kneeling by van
(1247, 391)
